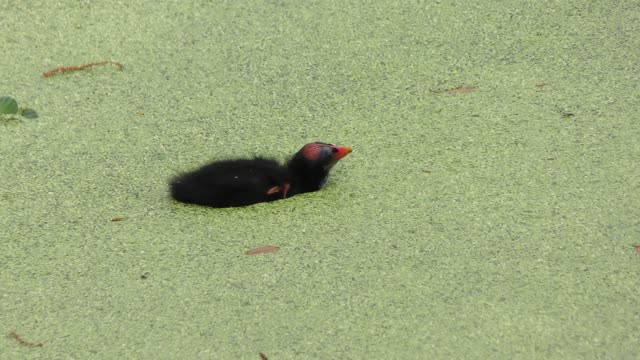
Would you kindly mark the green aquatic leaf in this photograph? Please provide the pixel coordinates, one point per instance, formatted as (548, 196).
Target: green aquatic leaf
(8, 105)
(29, 113)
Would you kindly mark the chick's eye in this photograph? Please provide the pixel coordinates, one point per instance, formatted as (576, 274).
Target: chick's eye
(334, 150)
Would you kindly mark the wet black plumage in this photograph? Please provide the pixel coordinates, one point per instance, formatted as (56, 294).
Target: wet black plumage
(231, 183)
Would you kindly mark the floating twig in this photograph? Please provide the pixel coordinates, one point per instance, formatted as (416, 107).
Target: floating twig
(263, 250)
(263, 356)
(64, 69)
(461, 90)
(23, 341)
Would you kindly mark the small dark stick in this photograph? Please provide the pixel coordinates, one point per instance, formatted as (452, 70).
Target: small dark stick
(22, 341)
(263, 357)
(64, 69)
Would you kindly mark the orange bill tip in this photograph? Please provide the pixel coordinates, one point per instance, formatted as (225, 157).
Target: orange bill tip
(342, 151)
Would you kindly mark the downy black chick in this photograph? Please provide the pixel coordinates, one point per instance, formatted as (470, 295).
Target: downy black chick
(231, 183)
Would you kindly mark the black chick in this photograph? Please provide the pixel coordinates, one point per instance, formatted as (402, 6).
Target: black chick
(231, 183)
